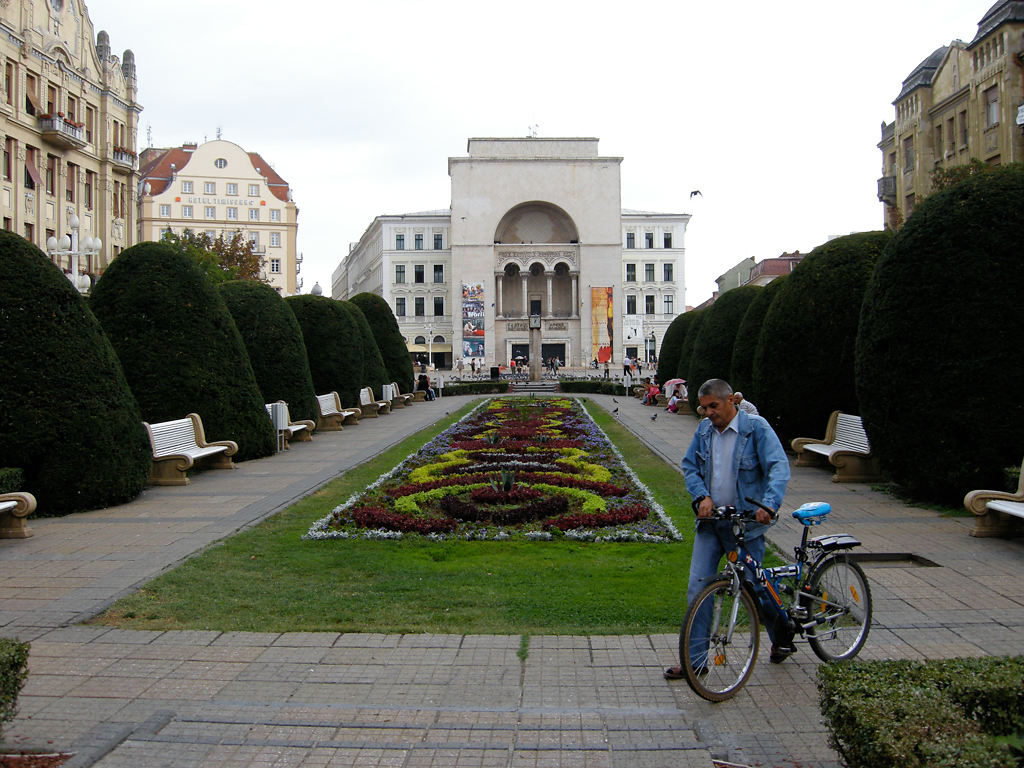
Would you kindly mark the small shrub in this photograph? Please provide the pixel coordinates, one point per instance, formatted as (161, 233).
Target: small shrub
(476, 388)
(180, 349)
(13, 671)
(273, 340)
(388, 336)
(593, 386)
(947, 714)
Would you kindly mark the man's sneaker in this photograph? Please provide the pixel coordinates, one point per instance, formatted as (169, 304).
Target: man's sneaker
(780, 653)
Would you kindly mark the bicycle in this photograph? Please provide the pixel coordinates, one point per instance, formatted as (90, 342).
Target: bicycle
(830, 607)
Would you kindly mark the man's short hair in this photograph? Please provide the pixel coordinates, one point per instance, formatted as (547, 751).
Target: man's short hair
(714, 388)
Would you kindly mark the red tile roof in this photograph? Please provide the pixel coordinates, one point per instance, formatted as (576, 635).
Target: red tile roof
(155, 166)
(278, 186)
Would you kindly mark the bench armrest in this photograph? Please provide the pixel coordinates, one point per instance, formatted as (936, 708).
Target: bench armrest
(798, 443)
(24, 503)
(197, 425)
(975, 500)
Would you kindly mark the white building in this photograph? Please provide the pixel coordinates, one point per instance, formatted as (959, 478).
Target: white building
(535, 227)
(219, 189)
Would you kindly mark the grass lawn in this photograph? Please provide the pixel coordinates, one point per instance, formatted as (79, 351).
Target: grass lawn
(268, 579)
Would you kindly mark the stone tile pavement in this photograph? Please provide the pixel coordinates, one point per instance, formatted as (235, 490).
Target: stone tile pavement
(192, 698)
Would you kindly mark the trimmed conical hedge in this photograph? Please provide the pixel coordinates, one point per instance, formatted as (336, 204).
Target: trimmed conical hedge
(671, 345)
(939, 359)
(273, 340)
(179, 347)
(803, 367)
(747, 338)
(374, 374)
(697, 317)
(712, 349)
(393, 350)
(67, 416)
(334, 346)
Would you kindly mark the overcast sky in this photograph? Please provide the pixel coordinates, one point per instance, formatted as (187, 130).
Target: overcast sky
(772, 110)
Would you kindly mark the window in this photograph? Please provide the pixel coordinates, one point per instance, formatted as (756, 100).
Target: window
(90, 185)
(254, 190)
(31, 96)
(535, 306)
(220, 162)
(399, 242)
(992, 107)
(649, 304)
(275, 239)
(275, 214)
(210, 188)
(950, 136)
(8, 155)
(90, 122)
(438, 306)
(669, 300)
(667, 239)
(210, 234)
(275, 266)
(630, 240)
(31, 169)
(908, 154)
(186, 211)
(439, 273)
(400, 306)
(437, 242)
(210, 212)
(418, 273)
(648, 239)
(9, 86)
(72, 183)
(419, 306)
(399, 273)
(666, 273)
(631, 273)
(51, 173)
(232, 213)
(254, 238)
(254, 214)
(186, 187)
(963, 129)
(418, 242)
(72, 111)
(51, 99)
(630, 304)
(649, 273)
(232, 189)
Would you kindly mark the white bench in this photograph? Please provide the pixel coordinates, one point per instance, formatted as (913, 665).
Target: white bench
(999, 513)
(370, 406)
(398, 397)
(332, 415)
(301, 430)
(178, 445)
(14, 508)
(845, 447)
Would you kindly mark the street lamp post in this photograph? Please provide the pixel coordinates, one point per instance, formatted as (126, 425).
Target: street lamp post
(69, 246)
(650, 352)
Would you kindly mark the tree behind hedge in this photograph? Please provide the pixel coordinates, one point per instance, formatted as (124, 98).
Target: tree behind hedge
(179, 347)
(273, 340)
(747, 336)
(712, 348)
(374, 374)
(393, 350)
(67, 417)
(333, 344)
(686, 353)
(803, 367)
(671, 345)
(939, 360)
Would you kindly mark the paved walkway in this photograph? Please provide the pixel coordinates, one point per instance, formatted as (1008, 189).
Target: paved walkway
(197, 698)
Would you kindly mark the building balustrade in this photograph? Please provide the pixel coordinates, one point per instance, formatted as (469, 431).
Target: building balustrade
(62, 133)
(887, 189)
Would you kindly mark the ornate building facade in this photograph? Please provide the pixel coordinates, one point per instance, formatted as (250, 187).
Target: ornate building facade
(964, 102)
(218, 188)
(69, 126)
(535, 228)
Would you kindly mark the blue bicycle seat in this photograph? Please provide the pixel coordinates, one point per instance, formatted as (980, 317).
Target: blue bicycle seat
(812, 513)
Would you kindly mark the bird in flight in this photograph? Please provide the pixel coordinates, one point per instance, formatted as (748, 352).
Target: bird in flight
(696, 192)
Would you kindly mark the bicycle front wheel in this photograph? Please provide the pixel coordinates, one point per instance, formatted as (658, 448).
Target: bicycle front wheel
(719, 641)
(839, 599)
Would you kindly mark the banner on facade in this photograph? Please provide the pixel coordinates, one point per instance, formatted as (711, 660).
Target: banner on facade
(472, 320)
(602, 324)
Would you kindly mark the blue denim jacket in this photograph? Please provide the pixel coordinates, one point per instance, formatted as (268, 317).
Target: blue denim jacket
(760, 463)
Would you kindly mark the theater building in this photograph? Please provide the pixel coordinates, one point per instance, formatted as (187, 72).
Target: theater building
(535, 228)
(69, 131)
(219, 189)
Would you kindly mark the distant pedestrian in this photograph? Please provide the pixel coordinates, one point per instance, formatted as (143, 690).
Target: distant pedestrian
(744, 405)
(607, 370)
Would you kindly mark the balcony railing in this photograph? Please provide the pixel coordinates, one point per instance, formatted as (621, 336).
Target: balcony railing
(123, 157)
(58, 131)
(887, 189)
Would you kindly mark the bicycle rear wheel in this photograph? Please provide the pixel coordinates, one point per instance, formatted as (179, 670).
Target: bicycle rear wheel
(843, 606)
(719, 641)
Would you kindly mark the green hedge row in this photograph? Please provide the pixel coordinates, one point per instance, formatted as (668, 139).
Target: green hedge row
(11, 479)
(13, 671)
(955, 713)
(593, 386)
(487, 387)
(713, 345)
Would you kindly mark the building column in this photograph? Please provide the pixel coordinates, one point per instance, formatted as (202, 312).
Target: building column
(575, 313)
(499, 288)
(549, 277)
(526, 296)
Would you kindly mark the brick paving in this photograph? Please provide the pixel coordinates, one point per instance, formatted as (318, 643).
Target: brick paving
(204, 698)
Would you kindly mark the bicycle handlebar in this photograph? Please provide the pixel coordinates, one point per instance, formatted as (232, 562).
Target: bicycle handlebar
(729, 512)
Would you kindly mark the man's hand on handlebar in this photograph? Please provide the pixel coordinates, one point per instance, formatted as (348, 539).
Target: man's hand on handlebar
(705, 508)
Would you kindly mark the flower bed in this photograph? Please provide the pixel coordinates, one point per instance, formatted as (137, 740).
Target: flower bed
(530, 468)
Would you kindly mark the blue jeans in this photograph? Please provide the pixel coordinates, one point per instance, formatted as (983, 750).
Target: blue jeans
(708, 551)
